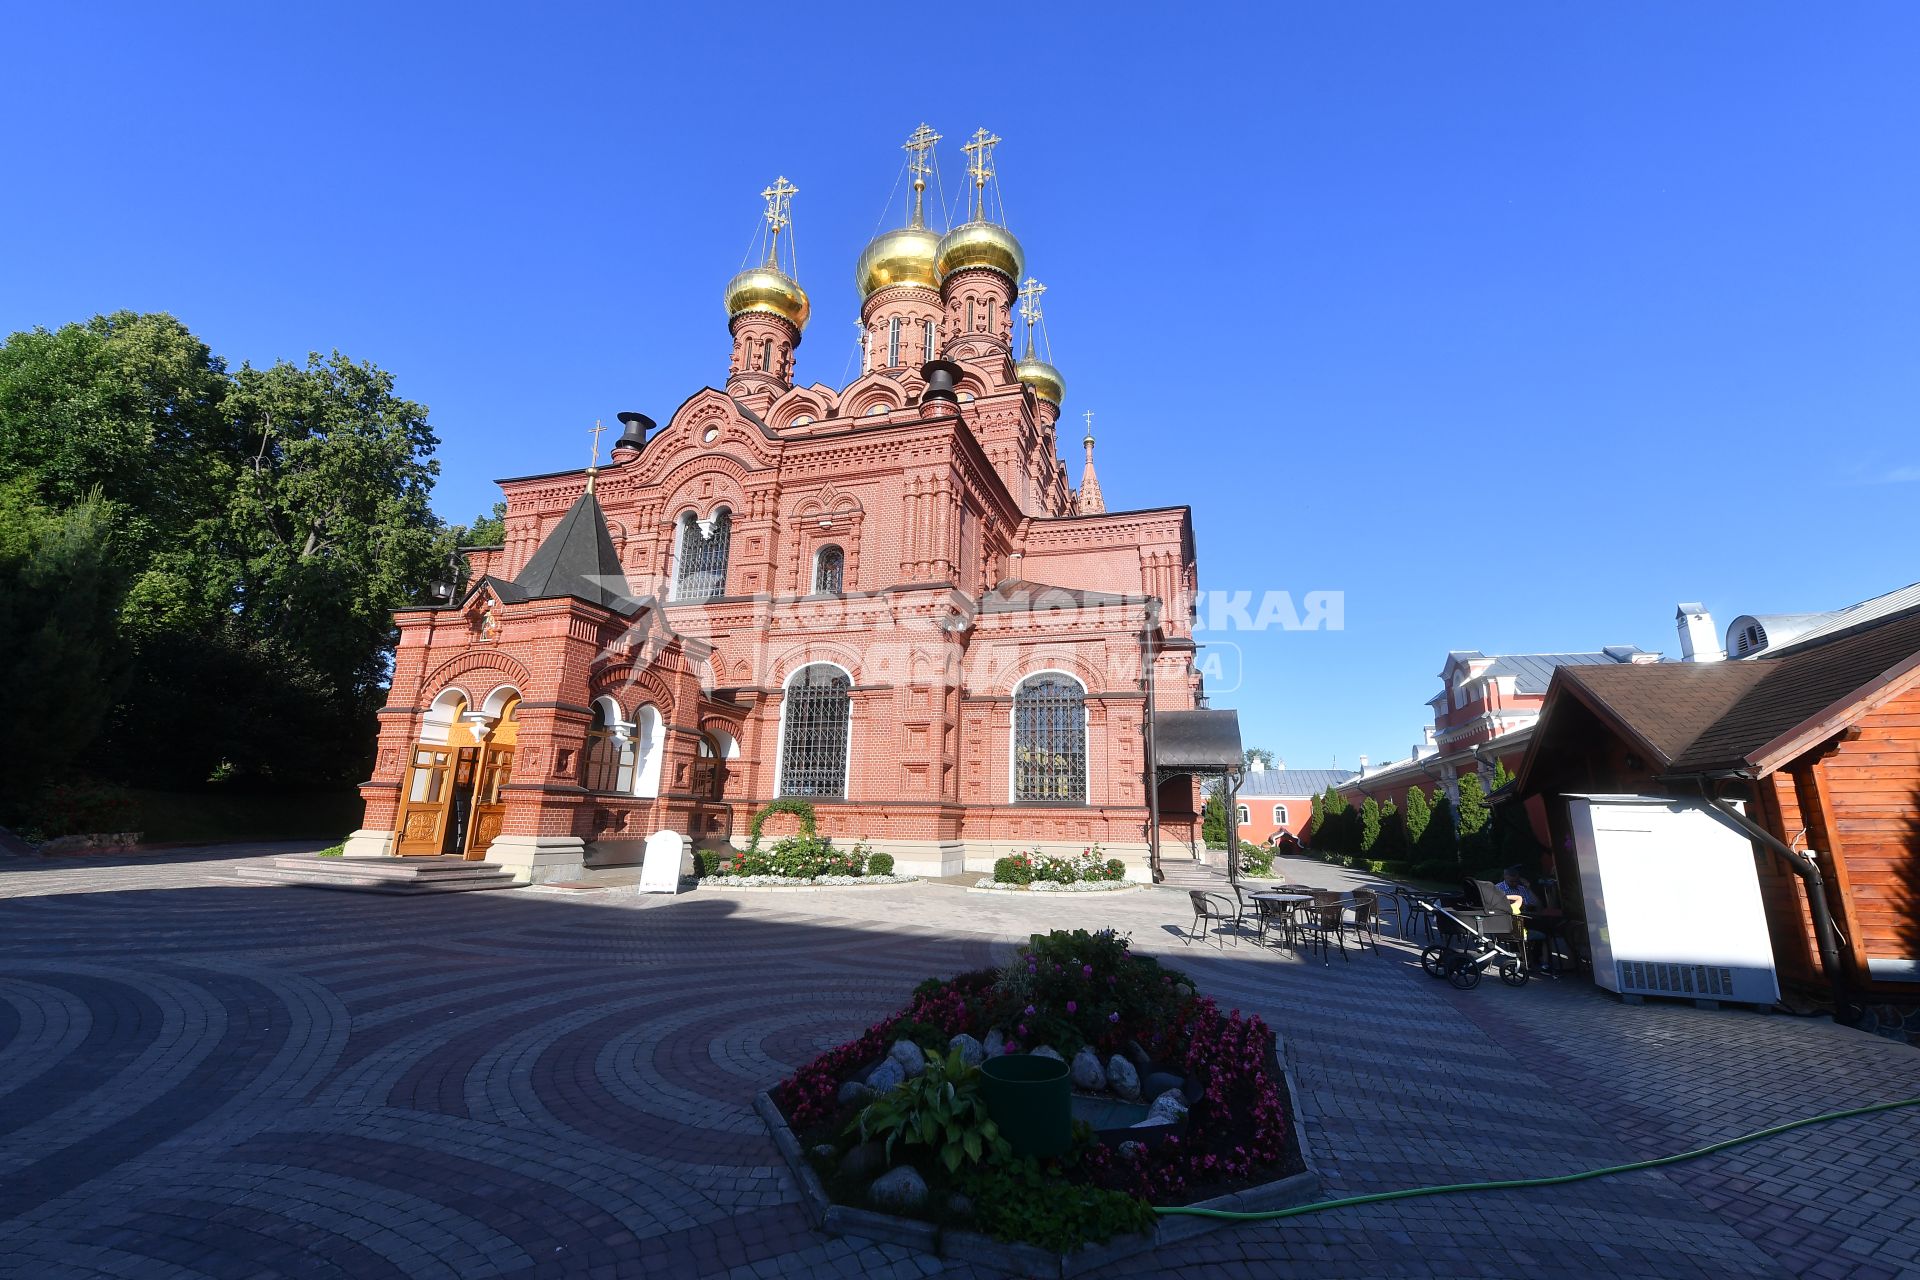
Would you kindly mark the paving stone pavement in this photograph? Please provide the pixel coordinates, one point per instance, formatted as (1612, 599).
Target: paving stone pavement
(201, 1077)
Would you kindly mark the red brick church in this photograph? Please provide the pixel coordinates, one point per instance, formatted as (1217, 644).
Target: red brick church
(885, 598)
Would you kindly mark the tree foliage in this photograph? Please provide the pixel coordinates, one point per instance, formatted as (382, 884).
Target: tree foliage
(245, 535)
(59, 597)
(1418, 814)
(1369, 825)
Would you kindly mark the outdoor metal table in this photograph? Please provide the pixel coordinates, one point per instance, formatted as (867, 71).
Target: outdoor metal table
(1288, 899)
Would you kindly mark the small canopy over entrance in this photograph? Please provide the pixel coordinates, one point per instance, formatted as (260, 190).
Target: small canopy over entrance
(1200, 744)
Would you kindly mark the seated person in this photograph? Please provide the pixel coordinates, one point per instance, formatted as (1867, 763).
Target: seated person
(1518, 891)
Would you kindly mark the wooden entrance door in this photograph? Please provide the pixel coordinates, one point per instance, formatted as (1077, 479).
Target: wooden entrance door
(489, 808)
(430, 787)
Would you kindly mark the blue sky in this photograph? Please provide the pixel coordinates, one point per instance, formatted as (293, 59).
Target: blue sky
(1516, 323)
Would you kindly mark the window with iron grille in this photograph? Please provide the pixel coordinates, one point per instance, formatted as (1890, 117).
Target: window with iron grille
(702, 570)
(1050, 739)
(829, 570)
(813, 744)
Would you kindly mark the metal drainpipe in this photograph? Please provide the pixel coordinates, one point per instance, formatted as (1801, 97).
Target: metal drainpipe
(1808, 870)
(1147, 672)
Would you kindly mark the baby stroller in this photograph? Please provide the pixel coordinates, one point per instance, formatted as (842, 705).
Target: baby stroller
(1471, 941)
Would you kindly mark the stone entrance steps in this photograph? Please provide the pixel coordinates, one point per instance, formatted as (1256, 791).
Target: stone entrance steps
(382, 875)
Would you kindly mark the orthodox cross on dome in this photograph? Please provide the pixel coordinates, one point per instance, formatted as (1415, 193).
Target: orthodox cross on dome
(980, 167)
(779, 198)
(1089, 500)
(593, 460)
(917, 147)
(1030, 308)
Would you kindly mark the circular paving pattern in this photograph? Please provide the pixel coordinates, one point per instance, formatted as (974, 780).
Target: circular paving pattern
(204, 1078)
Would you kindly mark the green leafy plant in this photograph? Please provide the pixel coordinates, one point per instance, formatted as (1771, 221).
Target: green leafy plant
(801, 809)
(1256, 859)
(1024, 1201)
(942, 1110)
(707, 862)
(1014, 869)
(879, 864)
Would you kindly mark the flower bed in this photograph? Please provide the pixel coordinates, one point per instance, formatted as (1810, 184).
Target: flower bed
(1050, 886)
(805, 858)
(827, 881)
(1036, 868)
(905, 1096)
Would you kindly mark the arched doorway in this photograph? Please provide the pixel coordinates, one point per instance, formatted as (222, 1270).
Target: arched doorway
(451, 802)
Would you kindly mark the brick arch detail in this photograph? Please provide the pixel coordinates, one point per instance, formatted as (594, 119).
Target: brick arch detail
(631, 688)
(1072, 664)
(507, 670)
(838, 655)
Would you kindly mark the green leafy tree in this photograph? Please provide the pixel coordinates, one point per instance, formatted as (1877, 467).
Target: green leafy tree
(1264, 756)
(1391, 845)
(1502, 776)
(1418, 814)
(329, 527)
(60, 591)
(1437, 841)
(1316, 820)
(1474, 822)
(1213, 818)
(1369, 825)
(489, 530)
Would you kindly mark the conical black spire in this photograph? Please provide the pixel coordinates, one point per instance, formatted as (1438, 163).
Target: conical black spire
(577, 559)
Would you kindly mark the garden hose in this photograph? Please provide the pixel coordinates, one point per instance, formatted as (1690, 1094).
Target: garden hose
(1510, 1184)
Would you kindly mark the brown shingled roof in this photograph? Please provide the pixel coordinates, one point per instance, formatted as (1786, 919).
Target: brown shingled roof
(1700, 717)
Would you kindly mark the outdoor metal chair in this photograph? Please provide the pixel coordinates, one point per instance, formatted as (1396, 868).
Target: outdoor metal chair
(1275, 915)
(1324, 920)
(1211, 907)
(1365, 905)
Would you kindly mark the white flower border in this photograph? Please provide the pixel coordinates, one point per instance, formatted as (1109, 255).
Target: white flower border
(990, 885)
(797, 882)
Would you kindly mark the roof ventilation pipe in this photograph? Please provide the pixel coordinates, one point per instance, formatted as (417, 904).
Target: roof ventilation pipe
(941, 375)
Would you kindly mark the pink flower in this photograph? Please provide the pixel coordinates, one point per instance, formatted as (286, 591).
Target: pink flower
(1073, 1006)
(1086, 970)
(1114, 1016)
(1022, 1028)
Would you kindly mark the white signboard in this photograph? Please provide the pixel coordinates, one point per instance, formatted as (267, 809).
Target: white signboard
(667, 853)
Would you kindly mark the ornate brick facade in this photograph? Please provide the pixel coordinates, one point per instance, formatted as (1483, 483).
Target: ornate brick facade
(963, 570)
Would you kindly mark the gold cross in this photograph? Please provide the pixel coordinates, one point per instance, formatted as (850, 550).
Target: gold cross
(594, 461)
(980, 163)
(779, 198)
(917, 146)
(1030, 300)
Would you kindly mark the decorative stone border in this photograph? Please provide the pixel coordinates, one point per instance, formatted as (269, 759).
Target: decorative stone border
(990, 885)
(794, 882)
(1027, 1259)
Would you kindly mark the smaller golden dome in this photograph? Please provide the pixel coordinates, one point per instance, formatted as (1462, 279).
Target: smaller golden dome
(980, 244)
(770, 291)
(904, 256)
(1043, 378)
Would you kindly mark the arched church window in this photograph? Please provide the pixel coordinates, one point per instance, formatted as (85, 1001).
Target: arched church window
(1050, 739)
(969, 315)
(700, 572)
(926, 341)
(829, 570)
(607, 764)
(893, 342)
(816, 722)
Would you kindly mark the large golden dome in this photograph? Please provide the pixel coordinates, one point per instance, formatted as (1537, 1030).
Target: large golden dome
(904, 256)
(980, 244)
(770, 291)
(1043, 378)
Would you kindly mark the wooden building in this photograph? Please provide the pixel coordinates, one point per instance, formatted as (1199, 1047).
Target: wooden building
(1821, 741)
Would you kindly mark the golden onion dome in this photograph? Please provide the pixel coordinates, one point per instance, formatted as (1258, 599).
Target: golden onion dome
(903, 256)
(1043, 378)
(980, 244)
(770, 291)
